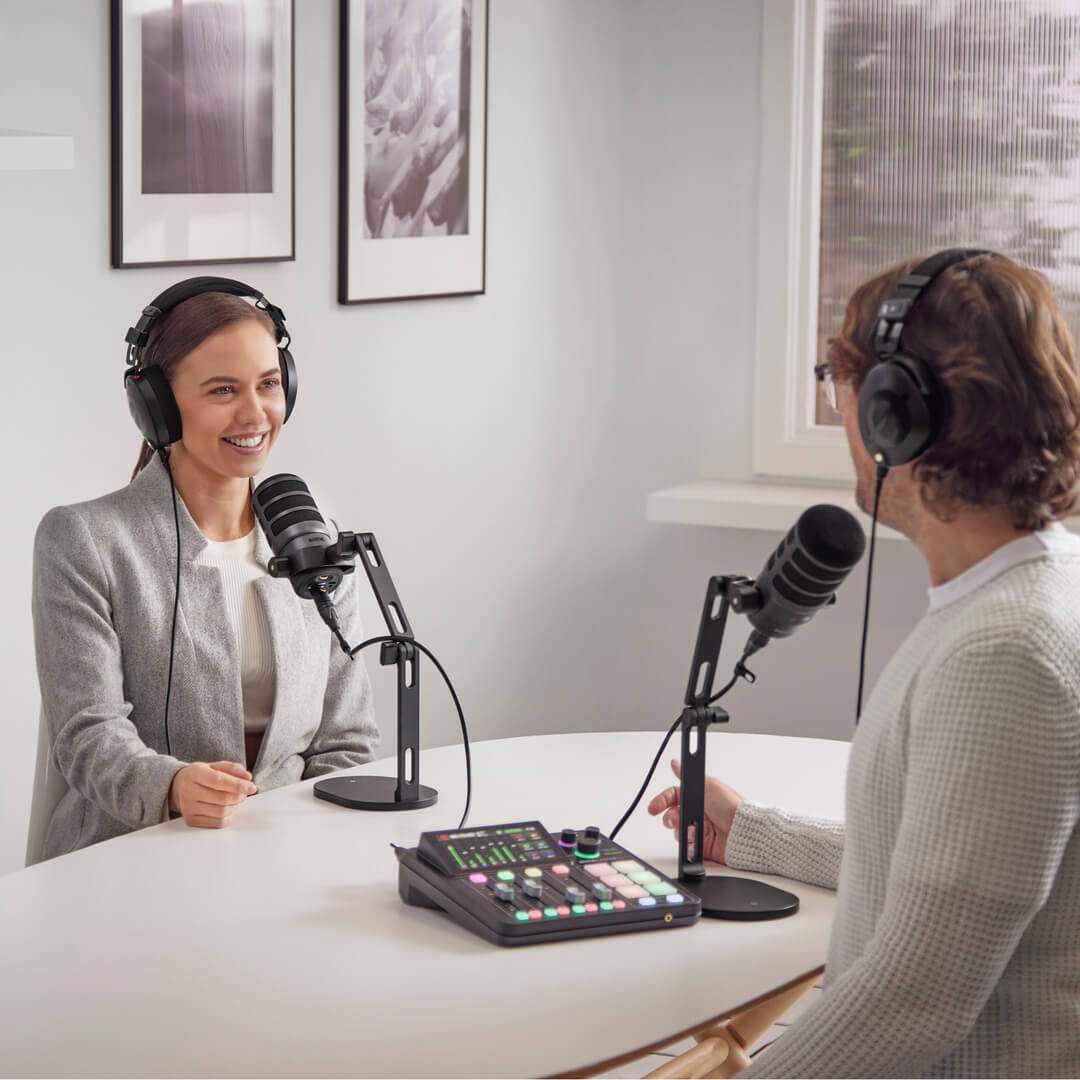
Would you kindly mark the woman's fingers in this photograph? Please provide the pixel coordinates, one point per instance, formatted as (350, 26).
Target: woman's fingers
(233, 768)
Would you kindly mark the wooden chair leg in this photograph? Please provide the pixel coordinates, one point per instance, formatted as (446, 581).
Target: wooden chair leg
(721, 1050)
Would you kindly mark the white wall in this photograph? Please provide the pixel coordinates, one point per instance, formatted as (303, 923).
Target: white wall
(501, 447)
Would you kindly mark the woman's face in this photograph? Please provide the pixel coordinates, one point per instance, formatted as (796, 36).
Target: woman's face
(231, 401)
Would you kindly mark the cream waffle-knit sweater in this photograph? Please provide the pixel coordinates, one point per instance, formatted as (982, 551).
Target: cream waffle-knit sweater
(955, 949)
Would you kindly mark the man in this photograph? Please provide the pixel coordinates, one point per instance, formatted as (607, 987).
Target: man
(956, 945)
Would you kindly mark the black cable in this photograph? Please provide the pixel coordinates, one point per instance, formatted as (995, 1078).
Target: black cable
(449, 685)
(882, 471)
(739, 670)
(176, 596)
(652, 768)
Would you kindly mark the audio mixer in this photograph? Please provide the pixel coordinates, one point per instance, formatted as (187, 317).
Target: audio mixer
(517, 885)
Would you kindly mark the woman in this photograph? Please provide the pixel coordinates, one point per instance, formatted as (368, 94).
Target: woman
(153, 712)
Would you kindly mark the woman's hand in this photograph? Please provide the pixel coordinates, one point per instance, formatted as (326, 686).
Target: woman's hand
(207, 794)
(721, 802)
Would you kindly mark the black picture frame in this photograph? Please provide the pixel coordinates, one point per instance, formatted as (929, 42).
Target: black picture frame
(206, 178)
(413, 166)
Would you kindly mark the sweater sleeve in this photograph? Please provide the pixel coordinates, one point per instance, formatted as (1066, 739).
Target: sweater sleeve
(767, 840)
(347, 735)
(95, 745)
(991, 798)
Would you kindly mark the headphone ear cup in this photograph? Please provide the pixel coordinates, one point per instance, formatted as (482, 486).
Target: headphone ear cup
(153, 406)
(899, 409)
(288, 380)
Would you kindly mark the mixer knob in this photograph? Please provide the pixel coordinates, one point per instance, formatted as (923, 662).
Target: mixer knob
(503, 891)
(588, 846)
(593, 832)
(568, 838)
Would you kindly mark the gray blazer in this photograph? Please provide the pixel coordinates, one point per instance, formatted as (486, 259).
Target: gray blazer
(104, 575)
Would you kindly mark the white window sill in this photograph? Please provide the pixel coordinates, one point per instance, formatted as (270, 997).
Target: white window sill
(729, 504)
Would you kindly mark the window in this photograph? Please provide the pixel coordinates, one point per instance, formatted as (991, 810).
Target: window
(893, 128)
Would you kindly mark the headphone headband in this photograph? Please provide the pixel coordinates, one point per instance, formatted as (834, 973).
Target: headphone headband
(894, 311)
(138, 335)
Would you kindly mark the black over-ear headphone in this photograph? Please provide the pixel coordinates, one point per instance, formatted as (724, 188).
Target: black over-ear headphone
(150, 397)
(901, 405)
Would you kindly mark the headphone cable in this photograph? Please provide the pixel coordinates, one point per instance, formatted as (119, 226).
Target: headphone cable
(176, 595)
(882, 471)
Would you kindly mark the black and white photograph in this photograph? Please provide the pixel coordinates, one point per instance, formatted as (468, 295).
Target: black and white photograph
(413, 148)
(202, 131)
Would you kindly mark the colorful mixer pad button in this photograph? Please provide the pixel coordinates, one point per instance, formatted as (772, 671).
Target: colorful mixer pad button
(514, 885)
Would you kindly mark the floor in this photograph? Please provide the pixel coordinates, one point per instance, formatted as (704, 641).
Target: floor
(645, 1065)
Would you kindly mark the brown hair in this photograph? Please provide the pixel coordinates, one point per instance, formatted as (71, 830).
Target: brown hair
(183, 329)
(991, 332)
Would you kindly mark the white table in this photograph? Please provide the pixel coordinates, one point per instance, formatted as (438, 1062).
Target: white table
(279, 947)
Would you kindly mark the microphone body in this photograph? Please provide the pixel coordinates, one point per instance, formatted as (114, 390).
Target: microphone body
(801, 575)
(299, 535)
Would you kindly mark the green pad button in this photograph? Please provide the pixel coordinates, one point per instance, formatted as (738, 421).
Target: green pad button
(507, 875)
(578, 909)
(550, 913)
(660, 888)
(606, 905)
(642, 877)
(521, 916)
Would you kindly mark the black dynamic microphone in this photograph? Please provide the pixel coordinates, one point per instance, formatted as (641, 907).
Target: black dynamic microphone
(802, 574)
(301, 542)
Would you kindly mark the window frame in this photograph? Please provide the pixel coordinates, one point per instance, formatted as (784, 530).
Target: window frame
(787, 440)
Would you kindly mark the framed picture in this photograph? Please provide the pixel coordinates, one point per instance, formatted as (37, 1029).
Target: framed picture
(202, 132)
(413, 149)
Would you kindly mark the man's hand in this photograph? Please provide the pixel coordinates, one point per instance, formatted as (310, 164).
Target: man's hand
(721, 802)
(208, 793)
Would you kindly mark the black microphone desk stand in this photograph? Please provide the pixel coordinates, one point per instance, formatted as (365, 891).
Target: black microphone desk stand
(403, 792)
(722, 897)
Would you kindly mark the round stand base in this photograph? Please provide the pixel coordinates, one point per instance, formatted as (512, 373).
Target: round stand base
(371, 793)
(741, 898)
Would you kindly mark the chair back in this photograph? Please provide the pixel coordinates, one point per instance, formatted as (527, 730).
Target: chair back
(49, 788)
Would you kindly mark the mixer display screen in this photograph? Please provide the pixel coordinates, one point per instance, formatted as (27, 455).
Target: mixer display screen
(478, 849)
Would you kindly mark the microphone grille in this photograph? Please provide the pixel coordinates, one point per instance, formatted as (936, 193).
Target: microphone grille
(287, 512)
(831, 536)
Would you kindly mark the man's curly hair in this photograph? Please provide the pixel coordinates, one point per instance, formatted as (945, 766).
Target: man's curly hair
(991, 332)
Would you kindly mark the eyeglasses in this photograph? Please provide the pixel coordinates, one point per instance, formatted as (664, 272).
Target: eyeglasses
(828, 385)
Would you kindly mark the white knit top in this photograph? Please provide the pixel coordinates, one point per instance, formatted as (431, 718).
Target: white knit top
(235, 561)
(955, 949)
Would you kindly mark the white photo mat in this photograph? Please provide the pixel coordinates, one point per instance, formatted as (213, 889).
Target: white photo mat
(415, 266)
(170, 229)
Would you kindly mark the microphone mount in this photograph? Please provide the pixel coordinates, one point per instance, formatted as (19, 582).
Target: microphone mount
(722, 897)
(332, 562)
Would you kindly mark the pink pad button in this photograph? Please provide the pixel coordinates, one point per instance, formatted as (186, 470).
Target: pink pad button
(599, 869)
(478, 879)
(560, 868)
(619, 905)
(613, 881)
(632, 892)
(562, 909)
(592, 909)
(534, 913)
